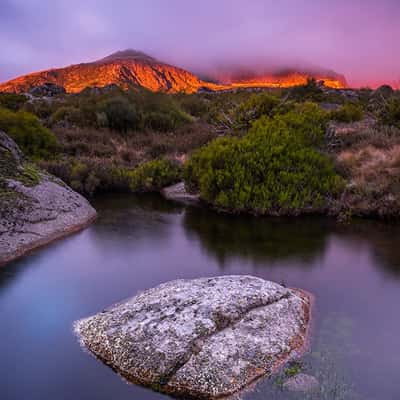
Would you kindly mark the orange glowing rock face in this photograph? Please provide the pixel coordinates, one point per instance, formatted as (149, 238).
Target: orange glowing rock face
(125, 69)
(132, 68)
(286, 79)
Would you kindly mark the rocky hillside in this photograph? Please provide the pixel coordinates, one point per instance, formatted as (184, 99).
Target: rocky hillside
(238, 78)
(35, 208)
(133, 68)
(124, 68)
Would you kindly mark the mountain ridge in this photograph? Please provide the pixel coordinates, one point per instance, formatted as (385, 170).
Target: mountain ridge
(129, 68)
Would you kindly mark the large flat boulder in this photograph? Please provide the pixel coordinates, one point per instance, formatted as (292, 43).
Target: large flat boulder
(201, 338)
(35, 207)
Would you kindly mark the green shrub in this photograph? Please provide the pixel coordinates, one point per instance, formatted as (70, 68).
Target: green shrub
(274, 169)
(165, 121)
(349, 112)
(194, 104)
(12, 101)
(69, 114)
(390, 112)
(154, 175)
(35, 140)
(121, 115)
(255, 107)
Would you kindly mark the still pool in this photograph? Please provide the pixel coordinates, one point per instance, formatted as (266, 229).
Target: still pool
(138, 242)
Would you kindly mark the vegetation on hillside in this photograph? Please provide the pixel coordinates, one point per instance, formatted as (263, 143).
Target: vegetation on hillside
(278, 151)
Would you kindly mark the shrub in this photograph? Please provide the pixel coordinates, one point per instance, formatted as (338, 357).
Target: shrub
(68, 114)
(154, 175)
(35, 140)
(12, 101)
(349, 112)
(194, 104)
(256, 106)
(121, 115)
(274, 169)
(165, 121)
(309, 91)
(390, 112)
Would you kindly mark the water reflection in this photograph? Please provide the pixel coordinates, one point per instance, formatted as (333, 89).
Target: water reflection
(139, 242)
(259, 239)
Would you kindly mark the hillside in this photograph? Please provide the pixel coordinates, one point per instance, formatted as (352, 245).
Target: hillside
(124, 68)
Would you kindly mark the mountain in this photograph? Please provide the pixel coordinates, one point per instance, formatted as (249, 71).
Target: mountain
(288, 77)
(134, 68)
(123, 68)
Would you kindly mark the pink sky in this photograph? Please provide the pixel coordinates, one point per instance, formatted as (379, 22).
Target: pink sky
(359, 38)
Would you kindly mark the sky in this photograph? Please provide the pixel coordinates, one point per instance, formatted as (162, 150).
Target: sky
(358, 38)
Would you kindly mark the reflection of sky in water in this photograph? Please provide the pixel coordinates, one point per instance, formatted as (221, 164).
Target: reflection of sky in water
(138, 243)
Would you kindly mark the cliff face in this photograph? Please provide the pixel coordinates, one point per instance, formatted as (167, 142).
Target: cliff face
(133, 68)
(35, 208)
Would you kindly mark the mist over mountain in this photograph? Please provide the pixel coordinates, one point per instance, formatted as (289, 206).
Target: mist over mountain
(132, 68)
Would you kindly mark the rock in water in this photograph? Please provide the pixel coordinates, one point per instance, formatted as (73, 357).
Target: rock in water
(301, 383)
(179, 194)
(201, 338)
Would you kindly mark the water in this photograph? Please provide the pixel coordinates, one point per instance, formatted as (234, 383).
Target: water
(353, 271)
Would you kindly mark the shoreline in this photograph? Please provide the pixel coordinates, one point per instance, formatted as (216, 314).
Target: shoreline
(42, 242)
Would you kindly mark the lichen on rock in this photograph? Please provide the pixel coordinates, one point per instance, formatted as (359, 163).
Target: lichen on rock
(201, 338)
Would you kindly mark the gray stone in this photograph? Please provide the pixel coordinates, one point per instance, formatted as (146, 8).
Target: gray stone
(35, 214)
(301, 383)
(179, 194)
(9, 145)
(48, 89)
(202, 338)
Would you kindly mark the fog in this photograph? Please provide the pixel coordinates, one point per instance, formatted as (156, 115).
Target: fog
(359, 39)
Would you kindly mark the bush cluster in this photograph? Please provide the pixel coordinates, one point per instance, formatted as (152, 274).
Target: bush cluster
(275, 169)
(114, 109)
(154, 175)
(347, 113)
(389, 114)
(25, 128)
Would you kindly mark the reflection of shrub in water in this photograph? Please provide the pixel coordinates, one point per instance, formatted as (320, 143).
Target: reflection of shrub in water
(258, 239)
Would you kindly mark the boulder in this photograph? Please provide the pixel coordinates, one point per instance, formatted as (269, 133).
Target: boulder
(35, 208)
(47, 90)
(179, 194)
(201, 338)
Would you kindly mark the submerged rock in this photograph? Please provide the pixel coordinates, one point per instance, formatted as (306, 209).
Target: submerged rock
(179, 194)
(35, 208)
(301, 383)
(202, 338)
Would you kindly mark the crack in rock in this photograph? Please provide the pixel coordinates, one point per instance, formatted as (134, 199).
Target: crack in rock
(205, 337)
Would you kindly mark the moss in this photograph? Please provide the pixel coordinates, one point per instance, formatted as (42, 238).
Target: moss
(30, 175)
(294, 368)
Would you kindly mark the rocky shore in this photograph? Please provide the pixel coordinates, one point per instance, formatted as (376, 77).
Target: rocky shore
(35, 208)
